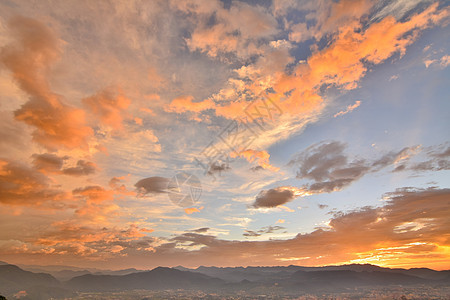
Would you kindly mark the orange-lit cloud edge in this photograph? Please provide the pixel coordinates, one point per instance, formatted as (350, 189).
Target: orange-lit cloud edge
(60, 178)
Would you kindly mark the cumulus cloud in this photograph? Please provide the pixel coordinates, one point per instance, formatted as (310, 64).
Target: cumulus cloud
(56, 124)
(277, 196)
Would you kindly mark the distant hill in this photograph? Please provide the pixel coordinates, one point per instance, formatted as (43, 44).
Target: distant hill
(340, 280)
(64, 273)
(237, 274)
(157, 279)
(37, 285)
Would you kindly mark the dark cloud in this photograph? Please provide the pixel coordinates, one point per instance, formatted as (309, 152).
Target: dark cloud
(264, 230)
(82, 168)
(51, 163)
(152, 185)
(200, 230)
(444, 154)
(393, 157)
(196, 239)
(12, 134)
(257, 168)
(330, 186)
(437, 161)
(217, 167)
(430, 165)
(48, 162)
(273, 197)
(318, 160)
(251, 233)
(330, 168)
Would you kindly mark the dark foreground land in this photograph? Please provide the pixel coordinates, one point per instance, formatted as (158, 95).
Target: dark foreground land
(399, 293)
(292, 282)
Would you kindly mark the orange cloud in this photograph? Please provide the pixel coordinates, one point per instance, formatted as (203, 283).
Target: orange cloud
(108, 105)
(56, 124)
(184, 104)
(191, 210)
(94, 193)
(97, 213)
(349, 108)
(116, 184)
(261, 158)
(72, 240)
(148, 111)
(156, 80)
(231, 110)
(21, 185)
(342, 64)
(213, 40)
(252, 23)
(138, 121)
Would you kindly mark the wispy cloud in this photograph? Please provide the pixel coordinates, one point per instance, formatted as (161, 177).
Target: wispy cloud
(349, 108)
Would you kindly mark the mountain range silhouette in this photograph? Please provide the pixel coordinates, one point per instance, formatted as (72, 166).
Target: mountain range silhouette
(284, 279)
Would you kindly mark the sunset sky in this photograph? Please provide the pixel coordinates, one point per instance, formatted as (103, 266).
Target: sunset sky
(318, 130)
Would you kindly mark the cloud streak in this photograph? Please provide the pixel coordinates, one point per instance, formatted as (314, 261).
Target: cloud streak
(349, 108)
